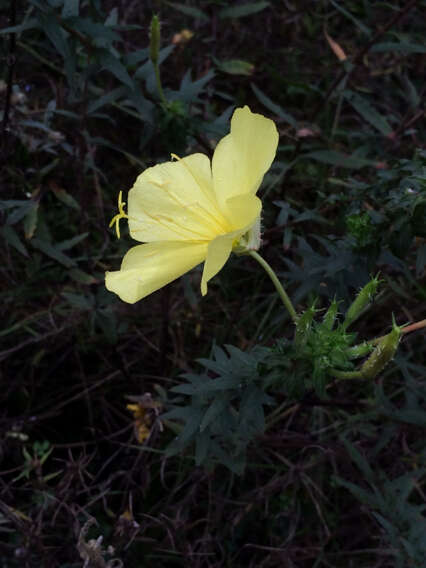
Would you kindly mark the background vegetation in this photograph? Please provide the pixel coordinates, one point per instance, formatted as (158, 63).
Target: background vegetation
(333, 478)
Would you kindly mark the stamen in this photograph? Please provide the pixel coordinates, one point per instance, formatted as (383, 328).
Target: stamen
(120, 215)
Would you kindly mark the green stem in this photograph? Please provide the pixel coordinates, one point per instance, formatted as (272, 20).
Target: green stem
(346, 374)
(281, 292)
(158, 82)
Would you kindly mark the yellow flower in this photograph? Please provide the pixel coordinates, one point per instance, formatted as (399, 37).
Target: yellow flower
(189, 211)
(142, 422)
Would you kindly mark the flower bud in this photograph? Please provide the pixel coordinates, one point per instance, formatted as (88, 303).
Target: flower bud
(154, 39)
(382, 354)
(363, 299)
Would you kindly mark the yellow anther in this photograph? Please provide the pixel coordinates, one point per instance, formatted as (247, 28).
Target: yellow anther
(175, 157)
(120, 215)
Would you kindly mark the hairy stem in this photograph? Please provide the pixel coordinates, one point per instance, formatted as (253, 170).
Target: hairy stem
(278, 286)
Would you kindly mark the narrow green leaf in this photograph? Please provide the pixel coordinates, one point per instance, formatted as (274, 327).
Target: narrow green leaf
(242, 10)
(275, 108)
(10, 203)
(52, 252)
(56, 35)
(69, 243)
(106, 99)
(20, 212)
(189, 90)
(65, 197)
(30, 221)
(335, 158)
(405, 48)
(82, 277)
(189, 11)
(114, 66)
(101, 35)
(235, 67)
(351, 17)
(368, 112)
(28, 25)
(78, 301)
(11, 236)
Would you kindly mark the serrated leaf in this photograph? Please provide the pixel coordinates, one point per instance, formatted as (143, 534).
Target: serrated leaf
(185, 389)
(275, 108)
(362, 495)
(251, 415)
(11, 236)
(358, 459)
(241, 10)
(221, 383)
(189, 11)
(191, 427)
(235, 67)
(368, 112)
(202, 446)
(181, 413)
(213, 411)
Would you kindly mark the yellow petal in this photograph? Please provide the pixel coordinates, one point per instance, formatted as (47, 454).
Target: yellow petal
(217, 254)
(243, 210)
(174, 201)
(151, 266)
(242, 157)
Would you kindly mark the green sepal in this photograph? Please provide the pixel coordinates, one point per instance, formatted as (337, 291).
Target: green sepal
(330, 316)
(304, 325)
(360, 350)
(362, 301)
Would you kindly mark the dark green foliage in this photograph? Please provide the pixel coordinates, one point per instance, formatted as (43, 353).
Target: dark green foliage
(390, 502)
(298, 466)
(225, 412)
